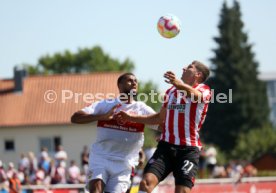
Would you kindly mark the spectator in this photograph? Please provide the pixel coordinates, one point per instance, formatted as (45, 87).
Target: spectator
(11, 170)
(82, 178)
(15, 184)
(43, 154)
(45, 163)
(39, 176)
(237, 171)
(21, 174)
(85, 158)
(229, 170)
(59, 176)
(202, 163)
(73, 173)
(32, 163)
(4, 183)
(219, 172)
(211, 159)
(60, 155)
(23, 162)
(249, 170)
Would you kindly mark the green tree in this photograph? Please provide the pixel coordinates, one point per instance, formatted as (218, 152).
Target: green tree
(150, 92)
(234, 67)
(85, 60)
(255, 143)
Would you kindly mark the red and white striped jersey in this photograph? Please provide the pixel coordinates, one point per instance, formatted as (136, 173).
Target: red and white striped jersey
(184, 116)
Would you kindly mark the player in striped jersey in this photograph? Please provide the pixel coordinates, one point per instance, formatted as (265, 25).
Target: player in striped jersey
(182, 114)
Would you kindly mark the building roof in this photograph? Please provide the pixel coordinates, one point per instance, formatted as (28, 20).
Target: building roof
(29, 107)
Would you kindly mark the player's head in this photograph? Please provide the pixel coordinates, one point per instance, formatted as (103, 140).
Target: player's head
(127, 83)
(196, 72)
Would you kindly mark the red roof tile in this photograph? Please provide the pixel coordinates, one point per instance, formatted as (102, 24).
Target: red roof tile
(30, 108)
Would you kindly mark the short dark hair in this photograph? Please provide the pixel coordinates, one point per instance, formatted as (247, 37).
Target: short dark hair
(123, 76)
(203, 69)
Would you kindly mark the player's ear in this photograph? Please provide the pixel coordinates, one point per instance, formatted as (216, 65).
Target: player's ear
(119, 86)
(199, 75)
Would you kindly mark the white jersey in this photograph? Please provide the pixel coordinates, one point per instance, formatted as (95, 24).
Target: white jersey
(118, 141)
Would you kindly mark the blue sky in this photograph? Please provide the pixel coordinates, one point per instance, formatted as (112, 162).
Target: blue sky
(31, 28)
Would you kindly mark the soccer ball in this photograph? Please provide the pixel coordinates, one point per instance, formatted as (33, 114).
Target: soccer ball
(168, 26)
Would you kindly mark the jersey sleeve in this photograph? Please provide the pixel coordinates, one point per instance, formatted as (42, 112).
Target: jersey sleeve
(206, 92)
(147, 110)
(94, 108)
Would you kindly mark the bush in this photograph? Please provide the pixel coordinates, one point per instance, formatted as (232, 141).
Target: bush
(255, 143)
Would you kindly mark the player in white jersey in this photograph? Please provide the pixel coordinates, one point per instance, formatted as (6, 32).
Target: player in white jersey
(182, 114)
(117, 146)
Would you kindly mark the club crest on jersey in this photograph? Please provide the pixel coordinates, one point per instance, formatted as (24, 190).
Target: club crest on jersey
(121, 122)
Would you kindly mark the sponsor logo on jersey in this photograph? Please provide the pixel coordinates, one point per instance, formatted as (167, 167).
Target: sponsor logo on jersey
(179, 107)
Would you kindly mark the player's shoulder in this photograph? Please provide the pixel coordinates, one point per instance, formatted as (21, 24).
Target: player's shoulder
(142, 105)
(203, 87)
(111, 100)
(172, 88)
(106, 102)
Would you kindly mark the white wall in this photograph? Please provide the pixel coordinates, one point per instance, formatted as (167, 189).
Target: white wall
(26, 139)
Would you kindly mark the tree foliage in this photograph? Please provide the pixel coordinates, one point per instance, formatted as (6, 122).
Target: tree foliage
(234, 67)
(150, 92)
(85, 60)
(255, 143)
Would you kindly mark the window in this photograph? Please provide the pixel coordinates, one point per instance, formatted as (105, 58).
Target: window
(50, 143)
(9, 145)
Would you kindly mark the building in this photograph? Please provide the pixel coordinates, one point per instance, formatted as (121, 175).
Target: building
(266, 162)
(270, 79)
(35, 112)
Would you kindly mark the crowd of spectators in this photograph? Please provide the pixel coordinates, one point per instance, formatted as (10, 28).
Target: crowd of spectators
(44, 169)
(210, 168)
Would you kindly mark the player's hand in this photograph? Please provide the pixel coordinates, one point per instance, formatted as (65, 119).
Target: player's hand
(110, 114)
(171, 79)
(122, 116)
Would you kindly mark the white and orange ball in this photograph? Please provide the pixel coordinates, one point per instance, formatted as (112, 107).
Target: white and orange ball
(169, 26)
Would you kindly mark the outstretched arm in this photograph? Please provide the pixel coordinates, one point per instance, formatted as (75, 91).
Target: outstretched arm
(81, 117)
(145, 119)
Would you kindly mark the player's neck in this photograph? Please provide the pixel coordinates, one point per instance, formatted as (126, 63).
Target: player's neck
(191, 83)
(126, 100)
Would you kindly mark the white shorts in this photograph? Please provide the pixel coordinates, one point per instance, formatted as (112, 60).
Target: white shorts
(114, 173)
